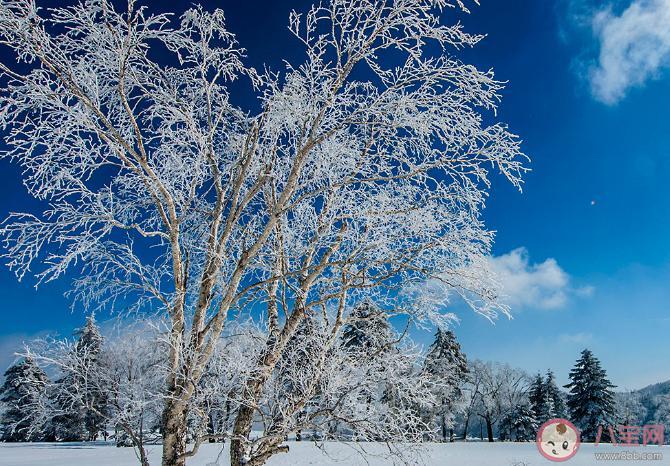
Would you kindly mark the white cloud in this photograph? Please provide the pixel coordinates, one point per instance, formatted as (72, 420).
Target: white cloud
(543, 285)
(634, 48)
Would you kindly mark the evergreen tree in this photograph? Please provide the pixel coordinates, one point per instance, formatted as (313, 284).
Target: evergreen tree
(297, 369)
(630, 410)
(590, 398)
(81, 401)
(519, 424)
(89, 347)
(367, 337)
(68, 425)
(368, 330)
(449, 367)
(90, 340)
(25, 383)
(539, 399)
(555, 396)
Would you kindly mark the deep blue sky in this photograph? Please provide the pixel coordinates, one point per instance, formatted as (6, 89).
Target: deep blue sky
(594, 208)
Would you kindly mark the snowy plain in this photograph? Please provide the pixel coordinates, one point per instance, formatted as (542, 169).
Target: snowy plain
(306, 453)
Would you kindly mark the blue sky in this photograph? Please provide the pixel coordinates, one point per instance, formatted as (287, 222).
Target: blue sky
(584, 249)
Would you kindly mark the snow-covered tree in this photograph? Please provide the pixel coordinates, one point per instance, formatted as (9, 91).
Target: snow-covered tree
(661, 414)
(90, 345)
(558, 408)
(378, 397)
(590, 398)
(446, 363)
(629, 408)
(519, 424)
(367, 330)
(126, 372)
(23, 390)
(220, 390)
(297, 376)
(360, 174)
(500, 388)
(540, 401)
(82, 401)
(346, 392)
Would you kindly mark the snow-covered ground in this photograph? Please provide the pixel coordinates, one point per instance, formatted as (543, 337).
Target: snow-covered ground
(304, 453)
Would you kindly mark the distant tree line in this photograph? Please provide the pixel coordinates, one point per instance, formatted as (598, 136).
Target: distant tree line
(96, 388)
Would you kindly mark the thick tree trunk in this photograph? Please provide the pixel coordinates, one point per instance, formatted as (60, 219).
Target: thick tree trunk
(241, 431)
(489, 429)
(174, 434)
(252, 391)
(444, 429)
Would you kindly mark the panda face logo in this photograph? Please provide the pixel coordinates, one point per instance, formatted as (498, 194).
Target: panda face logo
(558, 440)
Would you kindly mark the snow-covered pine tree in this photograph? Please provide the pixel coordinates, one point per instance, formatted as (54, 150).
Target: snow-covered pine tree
(629, 408)
(295, 379)
(661, 413)
(540, 402)
(94, 410)
(590, 397)
(366, 338)
(24, 383)
(81, 402)
(555, 396)
(368, 330)
(448, 365)
(90, 340)
(520, 424)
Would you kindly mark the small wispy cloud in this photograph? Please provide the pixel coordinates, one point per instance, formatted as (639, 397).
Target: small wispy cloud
(634, 48)
(527, 285)
(632, 43)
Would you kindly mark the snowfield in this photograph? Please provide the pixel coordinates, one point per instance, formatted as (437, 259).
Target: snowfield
(305, 453)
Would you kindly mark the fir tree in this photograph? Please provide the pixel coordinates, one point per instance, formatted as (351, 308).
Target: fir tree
(89, 347)
(520, 424)
(81, 401)
(539, 399)
(555, 397)
(590, 398)
(368, 337)
(448, 365)
(25, 383)
(368, 330)
(90, 340)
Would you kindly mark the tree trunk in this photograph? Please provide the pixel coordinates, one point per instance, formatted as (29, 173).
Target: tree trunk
(174, 434)
(254, 387)
(465, 426)
(241, 431)
(489, 429)
(444, 429)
